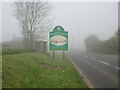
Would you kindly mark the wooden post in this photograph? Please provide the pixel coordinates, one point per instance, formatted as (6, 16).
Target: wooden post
(53, 57)
(63, 55)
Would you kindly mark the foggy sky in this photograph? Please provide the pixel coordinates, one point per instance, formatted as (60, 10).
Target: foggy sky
(79, 19)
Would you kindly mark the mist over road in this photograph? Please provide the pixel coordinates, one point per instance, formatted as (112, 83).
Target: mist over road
(100, 70)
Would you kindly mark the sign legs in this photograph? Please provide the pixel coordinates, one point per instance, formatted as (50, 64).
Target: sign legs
(53, 57)
(63, 55)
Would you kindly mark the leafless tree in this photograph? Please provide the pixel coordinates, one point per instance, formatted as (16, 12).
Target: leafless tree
(33, 20)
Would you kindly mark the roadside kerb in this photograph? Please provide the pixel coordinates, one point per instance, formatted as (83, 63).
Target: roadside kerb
(83, 77)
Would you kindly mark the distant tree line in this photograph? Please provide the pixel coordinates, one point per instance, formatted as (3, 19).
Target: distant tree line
(110, 46)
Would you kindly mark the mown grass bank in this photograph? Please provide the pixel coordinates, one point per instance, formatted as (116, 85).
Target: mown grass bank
(36, 70)
(0, 71)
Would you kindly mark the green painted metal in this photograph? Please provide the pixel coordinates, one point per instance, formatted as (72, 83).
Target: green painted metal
(58, 39)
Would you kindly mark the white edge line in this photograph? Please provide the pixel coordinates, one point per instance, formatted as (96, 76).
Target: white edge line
(83, 77)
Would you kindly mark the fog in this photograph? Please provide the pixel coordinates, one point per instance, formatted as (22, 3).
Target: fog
(80, 19)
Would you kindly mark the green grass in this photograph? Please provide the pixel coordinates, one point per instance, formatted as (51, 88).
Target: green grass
(36, 70)
(0, 71)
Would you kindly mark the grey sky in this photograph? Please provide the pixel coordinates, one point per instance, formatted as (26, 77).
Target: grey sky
(82, 19)
(79, 19)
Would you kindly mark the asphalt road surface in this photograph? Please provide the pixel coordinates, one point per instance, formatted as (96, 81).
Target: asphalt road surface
(100, 70)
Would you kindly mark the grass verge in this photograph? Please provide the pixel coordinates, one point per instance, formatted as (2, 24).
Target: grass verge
(0, 71)
(36, 70)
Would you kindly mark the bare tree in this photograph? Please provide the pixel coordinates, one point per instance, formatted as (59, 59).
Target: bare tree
(33, 20)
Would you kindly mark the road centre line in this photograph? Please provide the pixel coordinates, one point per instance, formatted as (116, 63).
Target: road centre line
(104, 63)
(117, 67)
(109, 64)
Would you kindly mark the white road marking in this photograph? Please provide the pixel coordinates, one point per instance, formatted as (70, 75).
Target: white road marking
(104, 63)
(85, 78)
(109, 64)
(117, 67)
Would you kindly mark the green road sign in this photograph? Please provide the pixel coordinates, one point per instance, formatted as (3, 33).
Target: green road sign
(58, 39)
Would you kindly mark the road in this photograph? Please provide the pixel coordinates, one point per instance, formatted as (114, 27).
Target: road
(100, 70)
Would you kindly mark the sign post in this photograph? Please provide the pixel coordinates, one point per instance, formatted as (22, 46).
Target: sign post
(53, 57)
(63, 55)
(58, 40)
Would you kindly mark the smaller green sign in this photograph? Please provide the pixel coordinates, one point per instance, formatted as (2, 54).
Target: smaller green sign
(58, 39)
